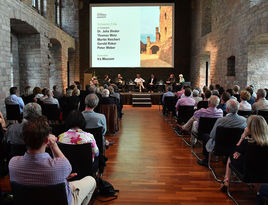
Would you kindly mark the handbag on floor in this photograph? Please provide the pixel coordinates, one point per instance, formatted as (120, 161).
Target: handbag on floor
(106, 189)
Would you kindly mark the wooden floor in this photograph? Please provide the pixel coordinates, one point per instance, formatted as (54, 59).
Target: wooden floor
(150, 164)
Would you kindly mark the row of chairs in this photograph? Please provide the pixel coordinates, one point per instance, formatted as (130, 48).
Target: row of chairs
(255, 171)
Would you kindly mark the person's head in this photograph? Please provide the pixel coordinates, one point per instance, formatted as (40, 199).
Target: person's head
(35, 133)
(76, 92)
(205, 88)
(257, 127)
(75, 119)
(138, 75)
(171, 75)
(217, 86)
(55, 88)
(100, 90)
(72, 87)
(169, 88)
(37, 90)
(105, 93)
(32, 111)
(27, 91)
(77, 84)
(213, 101)
(261, 93)
(236, 88)
(106, 76)
(195, 93)
(187, 92)
(207, 94)
(13, 90)
(225, 97)
(152, 75)
(250, 90)
(180, 76)
(44, 91)
(91, 101)
(118, 75)
(221, 90)
(230, 91)
(232, 106)
(245, 95)
(111, 89)
(92, 89)
(215, 92)
(49, 93)
(69, 92)
(211, 87)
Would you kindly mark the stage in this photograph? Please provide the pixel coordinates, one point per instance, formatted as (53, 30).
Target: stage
(155, 97)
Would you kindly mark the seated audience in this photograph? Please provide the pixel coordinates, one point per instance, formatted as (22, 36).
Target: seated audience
(69, 102)
(14, 99)
(224, 98)
(27, 96)
(231, 120)
(36, 167)
(212, 112)
(196, 97)
(44, 92)
(56, 93)
(50, 99)
(187, 100)
(236, 90)
(244, 98)
(75, 135)
(37, 93)
(221, 91)
(168, 93)
(255, 132)
(252, 99)
(93, 119)
(204, 89)
(231, 92)
(262, 103)
(106, 99)
(215, 92)
(204, 103)
(14, 132)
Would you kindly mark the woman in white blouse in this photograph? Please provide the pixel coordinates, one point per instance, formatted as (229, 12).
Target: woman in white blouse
(244, 105)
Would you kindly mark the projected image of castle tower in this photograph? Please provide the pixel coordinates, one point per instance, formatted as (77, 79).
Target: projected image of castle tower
(156, 37)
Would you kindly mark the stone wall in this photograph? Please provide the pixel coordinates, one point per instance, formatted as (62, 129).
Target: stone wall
(34, 65)
(233, 26)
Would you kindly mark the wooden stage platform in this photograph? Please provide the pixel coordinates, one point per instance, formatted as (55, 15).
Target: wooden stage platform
(127, 97)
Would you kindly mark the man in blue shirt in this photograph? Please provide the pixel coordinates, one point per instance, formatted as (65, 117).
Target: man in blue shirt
(14, 99)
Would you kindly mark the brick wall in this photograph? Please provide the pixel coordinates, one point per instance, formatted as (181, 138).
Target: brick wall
(234, 24)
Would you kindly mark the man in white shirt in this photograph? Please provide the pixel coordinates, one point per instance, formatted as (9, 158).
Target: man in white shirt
(262, 103)
(139, 82)
(50, 99)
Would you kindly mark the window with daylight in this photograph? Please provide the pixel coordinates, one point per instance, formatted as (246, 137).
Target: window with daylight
(231, 66)
(58, 12)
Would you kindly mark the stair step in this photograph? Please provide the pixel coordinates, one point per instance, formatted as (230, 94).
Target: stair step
(141, 102)
(142, 105)
(141, 99)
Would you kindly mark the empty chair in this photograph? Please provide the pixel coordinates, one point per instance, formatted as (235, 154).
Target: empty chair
(225, 142)
(51, 111)
(41, 195)
(13, 112)
(80, 157)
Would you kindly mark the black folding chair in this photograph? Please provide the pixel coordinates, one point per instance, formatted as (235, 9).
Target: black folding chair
(264, 113)
(244, 113)
(255, 167)
(80, 157)
(13, 112)
(51, 111)
(169, 105)
(39, 194)
(204, 128)
(202, 104)
(97, 133)
(225, 142)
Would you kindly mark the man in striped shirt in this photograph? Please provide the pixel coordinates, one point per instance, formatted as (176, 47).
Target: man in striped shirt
(36, 167)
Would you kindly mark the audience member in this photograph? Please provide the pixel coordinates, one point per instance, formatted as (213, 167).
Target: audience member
(50, 99)
(44, 92)
(252, 99)
(196, 97)
(75, 122)
(168, 93)
(231, 92)
(224, 98)
(236, 90)
(244, 98)
(106, 99)
(36, 167)
(262, 103)
(2, 121)
(221, 91)
(204, 103)
(31, 111)
(255, 132)
(187, 100)
(231, 120)
(14, 99)
(28, 96)
(180, 93)
(37, 93)
(56, 93)
(212, 111)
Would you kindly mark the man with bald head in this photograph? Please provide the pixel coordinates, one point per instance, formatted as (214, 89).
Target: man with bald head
(231, 120)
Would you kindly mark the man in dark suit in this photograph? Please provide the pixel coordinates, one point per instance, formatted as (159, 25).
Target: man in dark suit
(151, 83)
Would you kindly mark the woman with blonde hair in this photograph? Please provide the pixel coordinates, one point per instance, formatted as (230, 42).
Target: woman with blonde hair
(256, 132)
(244, 97)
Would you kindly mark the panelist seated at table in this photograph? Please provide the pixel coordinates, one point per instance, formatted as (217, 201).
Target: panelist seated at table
(171, 80)
(107, 80)
(119, 80)
(152, 83)
(181, 79)
(139, 82)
